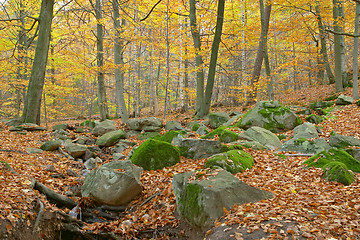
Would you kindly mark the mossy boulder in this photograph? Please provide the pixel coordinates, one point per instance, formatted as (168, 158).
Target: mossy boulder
(321, 159)
(217, 119)
(213, 133)
(171, 135)
(228, 136)
(51, 145)
(199, 148)
(341, 141)
(149, 124)
(173, 125)
(233, 161)
(337, 171)
(265, 137)
(271, 116)
(75, 150)
(104, 127)
(321, 104)
(315, 119)
(148, 135)
(344, 100)
(204, 199)
(62, 126)
(193, 126)
(154, 154)
(303, 145)
(111, 138)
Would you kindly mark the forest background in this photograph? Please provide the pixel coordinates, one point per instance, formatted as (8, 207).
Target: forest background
(156, 64)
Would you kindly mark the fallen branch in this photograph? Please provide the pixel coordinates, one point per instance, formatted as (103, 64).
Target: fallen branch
(9, 167)
(60, 200)
(149, 198)
(299, 155)
(39, 216)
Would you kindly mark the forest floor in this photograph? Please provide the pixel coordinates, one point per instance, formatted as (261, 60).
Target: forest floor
(305, 206)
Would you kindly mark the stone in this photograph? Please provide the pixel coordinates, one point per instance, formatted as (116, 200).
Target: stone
(110, 138)
(315, 119)
(33, 150)
(91, 163)
(104, 127)
(173, 125)
(233, 119)
(193, 126)
(303, 145)
(13, 122)
(341, 141)
(170, 135)
(154, 154)
(118, 156)
(50, 168)
(51, 145)
(27, 127)
(217, 119)
(199, 148)
(115, 183)
(355, 153)
(264, 137)
(202, 130)
(233, 161)
(228, 136)
(119, 147)
(75, 150)
(149, 124)
(72, 173)
(344, 100)
(271, 116)
(337, 171)
(305, 130)
(202, 201)
(321, 104)
(148, 135)
(62, 126)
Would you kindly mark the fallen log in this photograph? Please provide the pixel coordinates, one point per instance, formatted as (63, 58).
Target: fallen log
(58, 199)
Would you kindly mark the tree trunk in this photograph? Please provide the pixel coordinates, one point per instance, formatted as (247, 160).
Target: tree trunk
(119, 62)
(265, 19)
(355, 53)
(337, 47)
(167, 59)
(213, 59)
(195, 32)
(32, 104)
(100, 62)
(323, 50)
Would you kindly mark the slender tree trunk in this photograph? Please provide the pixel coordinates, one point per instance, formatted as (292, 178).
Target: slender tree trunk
(323, 50)
(346, 81)
(32, 104)
(337, 47)
(213, 59)
(119, 63)
(355, 53)
(153, 96)
(100, 62)
(167, 59)
(195, 32)
(181, 70)
(265, 19)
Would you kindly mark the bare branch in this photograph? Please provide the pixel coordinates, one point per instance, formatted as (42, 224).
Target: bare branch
(341, 33)
(152, 9)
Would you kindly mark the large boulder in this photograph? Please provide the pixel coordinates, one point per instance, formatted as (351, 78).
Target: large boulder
(306, 146)
(13, 122)
(271, 116)
(173, 125)
(150, 124)
(344, 100)
(228, 136)
(263, 136)
(154, 154)
(217, 119)
(62, 126)
(199, 148)
(337, 171)
(340, 141)
(51, 145)
(110, 138)
(75, 150)
(104, 127)
(201, 199)
(115, 183)
(148, 135)
(233, 161)
(305, 130)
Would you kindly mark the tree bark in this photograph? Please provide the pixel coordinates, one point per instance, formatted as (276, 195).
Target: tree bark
(195, 32)
(100, 62)
(337, 47)
(265, 19)
(119, 62)
(32, 104)
(356, 53)
(213, 59)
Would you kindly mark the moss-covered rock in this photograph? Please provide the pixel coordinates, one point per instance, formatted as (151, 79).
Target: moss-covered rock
(51, 145)
(358, 103)
(110, 138)
(148, 135)
(215, 132)
(154, 154)
(316, 119)
(216, 119)
(337, 171)
(228, 136)
(233, 161)
(170, 135)
(341, 141)
(199, 148)
(333, 155)
(321, 104)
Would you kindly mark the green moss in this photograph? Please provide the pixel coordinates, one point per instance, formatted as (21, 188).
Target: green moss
(215, 132)
(233, 161)
(169, 136)
(316, 119)
(228, 136)
(281, 136)
(191, 206)
(337, 171)
(358, 103)
(298, 121)
(234, 147)
(195, 127)
(240, 124)
(333, 155)
(332, 97)
(300, 141)
(154, 154)
(88, 123)
(280, 155)
(148, 135)
(224, 148)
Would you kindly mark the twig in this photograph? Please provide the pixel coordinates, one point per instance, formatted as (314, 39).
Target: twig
(299, 155)
(152, 9)
(342, 33)
(39, 216)
(149, 198)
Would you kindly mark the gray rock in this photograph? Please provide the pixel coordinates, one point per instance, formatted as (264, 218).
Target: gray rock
(119, 148)
(27, 127)
(173, 125)
(51, 145)
(217, 119)
(355, 153)
(148, 135)
(344, 100)
(271, 116)
(75, 150)
(111, 186)
(203, 201)
(110, 138)
(146, 124)
(62, 126)
(305, 130)
(72, 173)
(91, 163)
(232, 120)
(118, 156)
(264, 137)
(85, 172)
(340, 141)
(199, 148)
(13, 122)
(302, 145)
(202, 130)
(33, 150)
(50, 168)
(104, 127)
